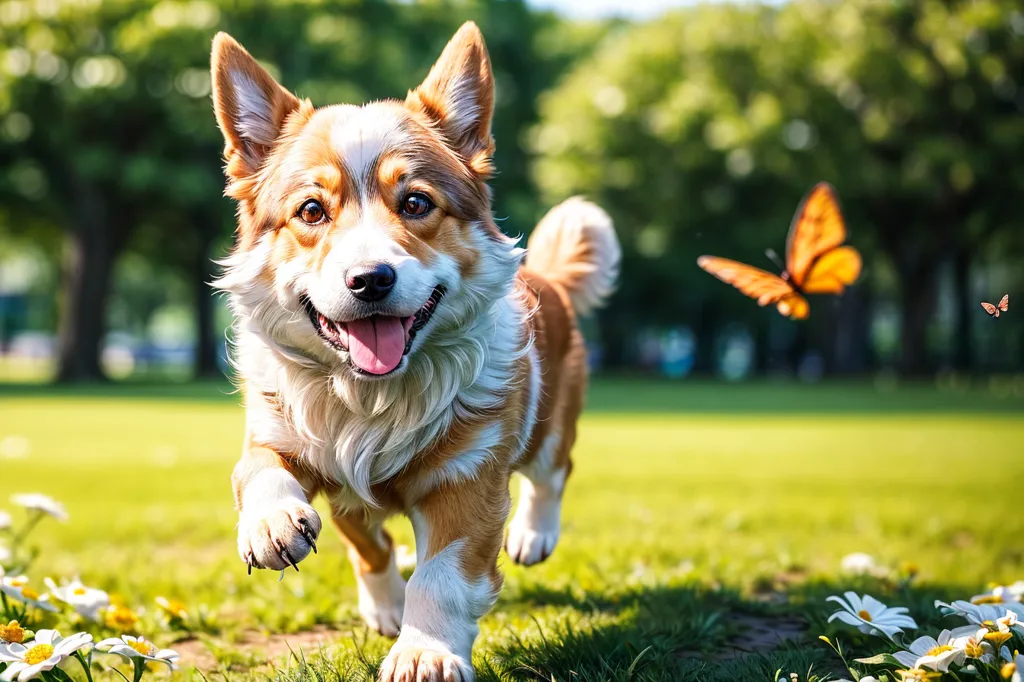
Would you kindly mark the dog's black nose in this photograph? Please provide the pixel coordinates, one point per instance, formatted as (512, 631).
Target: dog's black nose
(371, 282)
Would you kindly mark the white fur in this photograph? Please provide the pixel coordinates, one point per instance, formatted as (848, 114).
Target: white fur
(254, 112)
(381, 596)
(273, 505)
(534, 530)
(575, 245)
(362, 136)
(462, 466)
(442, 607)
(358, 432)
(533, 392)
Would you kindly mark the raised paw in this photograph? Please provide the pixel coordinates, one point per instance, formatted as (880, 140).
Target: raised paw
(279, 535)
(528, 546)
(424, 665)
(533, 533)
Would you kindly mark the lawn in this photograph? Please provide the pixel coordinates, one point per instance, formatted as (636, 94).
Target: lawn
(704, 521)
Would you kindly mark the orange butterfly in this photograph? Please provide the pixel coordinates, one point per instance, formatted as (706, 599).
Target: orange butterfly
(816, 261)
(993, 310)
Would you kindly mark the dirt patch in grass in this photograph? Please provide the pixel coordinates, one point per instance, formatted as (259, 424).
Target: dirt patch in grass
(254, 649)
(759, 635)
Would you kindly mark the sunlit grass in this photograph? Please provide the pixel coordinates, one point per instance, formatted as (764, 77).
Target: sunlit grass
(675, 523)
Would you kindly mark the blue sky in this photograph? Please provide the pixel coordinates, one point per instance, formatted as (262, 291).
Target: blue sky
(605, 8)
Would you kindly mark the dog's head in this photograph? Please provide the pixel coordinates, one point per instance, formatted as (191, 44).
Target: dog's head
(363, 230)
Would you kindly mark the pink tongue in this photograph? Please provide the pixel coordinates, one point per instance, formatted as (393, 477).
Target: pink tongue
(376, 344)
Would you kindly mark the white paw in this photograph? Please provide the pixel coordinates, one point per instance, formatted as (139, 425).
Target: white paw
(528, 546)
(278, 534)
(382, 600)
(414, 664)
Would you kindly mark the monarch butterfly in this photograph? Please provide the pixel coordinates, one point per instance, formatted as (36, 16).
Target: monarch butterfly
(993, 310)
(816, 261)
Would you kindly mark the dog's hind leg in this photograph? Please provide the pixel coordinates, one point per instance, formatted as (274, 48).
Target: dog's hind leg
(381, 587)
(534, 530)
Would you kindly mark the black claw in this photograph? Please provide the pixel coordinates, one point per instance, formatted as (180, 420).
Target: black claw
(286, 556)
(248, 568)
(306, 533)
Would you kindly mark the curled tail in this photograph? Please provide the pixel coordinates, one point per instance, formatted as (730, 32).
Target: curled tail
(575, 246)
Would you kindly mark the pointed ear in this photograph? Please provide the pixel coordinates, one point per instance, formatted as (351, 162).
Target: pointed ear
(250, 106)
(458, 97)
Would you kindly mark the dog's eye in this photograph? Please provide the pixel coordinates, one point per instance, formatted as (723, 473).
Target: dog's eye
(417, 204)
(312, 212)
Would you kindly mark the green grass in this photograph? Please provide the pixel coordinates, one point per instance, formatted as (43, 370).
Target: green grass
(695, 511)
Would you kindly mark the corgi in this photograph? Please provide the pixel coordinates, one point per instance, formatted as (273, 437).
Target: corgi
(397, 352)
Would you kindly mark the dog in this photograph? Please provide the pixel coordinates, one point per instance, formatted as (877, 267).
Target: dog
(397, 352)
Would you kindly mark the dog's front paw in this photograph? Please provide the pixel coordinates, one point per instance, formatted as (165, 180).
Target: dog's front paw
(414, 664)
(279, 535)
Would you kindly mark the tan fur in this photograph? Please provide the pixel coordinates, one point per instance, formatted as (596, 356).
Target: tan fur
(519, 406)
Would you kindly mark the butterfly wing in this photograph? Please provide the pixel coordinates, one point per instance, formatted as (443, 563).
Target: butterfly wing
(762, 286)
(1004, 304)
(817, 229)
(990, 309)
(833, 271)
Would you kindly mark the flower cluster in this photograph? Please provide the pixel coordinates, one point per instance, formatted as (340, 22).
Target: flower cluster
(986, 647)
(26, 655)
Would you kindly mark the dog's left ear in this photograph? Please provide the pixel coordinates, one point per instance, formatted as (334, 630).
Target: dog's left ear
(458, 97)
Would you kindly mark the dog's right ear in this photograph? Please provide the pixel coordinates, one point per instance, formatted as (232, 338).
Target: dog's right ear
(250, 105)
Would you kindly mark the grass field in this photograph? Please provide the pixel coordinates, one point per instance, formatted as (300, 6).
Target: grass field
(706, 522)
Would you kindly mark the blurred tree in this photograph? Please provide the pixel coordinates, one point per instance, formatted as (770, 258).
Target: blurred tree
(108, 134)
(700, 131)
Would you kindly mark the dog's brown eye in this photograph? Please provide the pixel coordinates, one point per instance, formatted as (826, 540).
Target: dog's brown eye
(312, 212)
(417, 204)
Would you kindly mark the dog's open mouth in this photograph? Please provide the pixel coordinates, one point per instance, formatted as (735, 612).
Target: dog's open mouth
(375, 344)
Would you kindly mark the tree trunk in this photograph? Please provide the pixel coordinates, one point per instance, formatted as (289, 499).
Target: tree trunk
(963, 346)
(206, 336)
(918, 294)
(87, 274)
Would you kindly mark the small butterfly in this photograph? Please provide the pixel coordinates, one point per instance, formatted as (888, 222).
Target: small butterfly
(816, 260)
(993, 310)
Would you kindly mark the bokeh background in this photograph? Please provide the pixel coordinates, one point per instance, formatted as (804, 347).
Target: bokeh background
(698, 127)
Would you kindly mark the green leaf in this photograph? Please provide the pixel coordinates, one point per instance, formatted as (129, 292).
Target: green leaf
(880, 659)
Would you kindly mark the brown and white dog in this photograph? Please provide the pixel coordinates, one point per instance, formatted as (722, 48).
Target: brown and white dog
(395, 354)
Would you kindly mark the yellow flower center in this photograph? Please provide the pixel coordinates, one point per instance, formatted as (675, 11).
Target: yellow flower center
(864, 615)
(120, 618)
(940, 649)
(974, 649)
(20, 581)
(78, 591)
(38, 653)
(997, 637)
(1008, 670)
(29, 593)
(987, 599)
(142, 646)
(12, 632)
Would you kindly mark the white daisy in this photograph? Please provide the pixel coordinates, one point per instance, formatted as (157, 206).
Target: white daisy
(859, 563)
(27, 661)
(17, 588)
(871, 616)
(5, 520)
(129, 647)
(933, 654)
(974, 644)
(41, 503)
(5, 554)
(1001, 594)
(87, 602)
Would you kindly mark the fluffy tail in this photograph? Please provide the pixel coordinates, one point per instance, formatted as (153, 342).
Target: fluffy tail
(575, 246)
